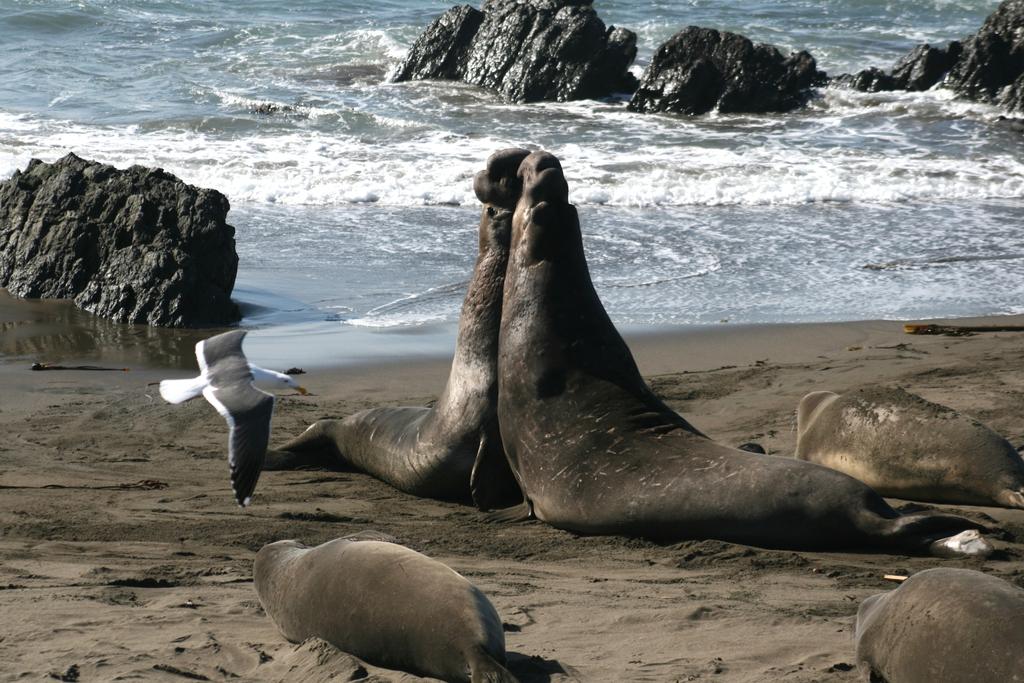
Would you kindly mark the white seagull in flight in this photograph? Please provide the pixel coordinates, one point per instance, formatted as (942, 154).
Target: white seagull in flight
(227, 380)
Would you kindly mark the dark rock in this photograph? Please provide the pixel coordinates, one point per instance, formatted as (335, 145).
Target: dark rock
(526, 50)
(700, 69)
(72, 674)
(918, 70)
(135, 246)
(1017, 126)
(868, 80)
(986, 67)
(752, 447)
(442, 50)
(925, 66)
(993, 59)
(548, 5)
(274, 109)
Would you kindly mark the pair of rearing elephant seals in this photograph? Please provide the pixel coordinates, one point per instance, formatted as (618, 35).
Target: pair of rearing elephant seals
(383, 603)
(590, 446)
(453, 450)
(906, 447)
(943, 625)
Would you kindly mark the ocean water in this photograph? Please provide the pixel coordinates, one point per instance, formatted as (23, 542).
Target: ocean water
(353, 204)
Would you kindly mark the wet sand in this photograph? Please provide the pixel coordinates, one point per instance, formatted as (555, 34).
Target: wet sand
(122, 554)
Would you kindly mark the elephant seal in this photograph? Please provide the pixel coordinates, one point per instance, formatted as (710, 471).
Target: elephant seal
(906, 447)
(595, 451)
(943, 625)
(439, 452)
(383, 603)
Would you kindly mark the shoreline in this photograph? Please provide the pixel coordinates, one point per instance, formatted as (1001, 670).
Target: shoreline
(56, 331)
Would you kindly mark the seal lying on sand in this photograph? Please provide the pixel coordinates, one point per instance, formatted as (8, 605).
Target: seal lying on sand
(595, 451)
(383, 603)
(432, 452)
(904, 446)
(943, 625)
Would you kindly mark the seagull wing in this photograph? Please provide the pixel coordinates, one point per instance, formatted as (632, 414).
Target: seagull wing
(220, 352)
(248, 412)
(223, 353)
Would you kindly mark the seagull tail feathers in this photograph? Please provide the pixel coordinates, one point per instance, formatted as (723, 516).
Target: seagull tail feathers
(181, 390)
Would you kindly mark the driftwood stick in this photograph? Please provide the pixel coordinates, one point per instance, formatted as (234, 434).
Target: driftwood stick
(52, 366)
(959, 330)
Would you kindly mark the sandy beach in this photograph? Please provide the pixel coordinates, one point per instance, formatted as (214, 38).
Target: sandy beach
(123, 557)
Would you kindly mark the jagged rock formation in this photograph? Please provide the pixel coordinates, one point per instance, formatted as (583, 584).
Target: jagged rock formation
(987, 66)
(135, 246)
(526, 50)
(991, 68)
(924, 66)
(701, 69)
(442, 50)
(918, 70)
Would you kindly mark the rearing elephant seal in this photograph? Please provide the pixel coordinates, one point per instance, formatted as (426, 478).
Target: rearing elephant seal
(596, 452)
(943, 625)
(383, 603)
(432, 452)
(904, 446)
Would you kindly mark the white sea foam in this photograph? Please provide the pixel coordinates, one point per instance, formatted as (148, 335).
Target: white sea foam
(722, 165)
(369, 45)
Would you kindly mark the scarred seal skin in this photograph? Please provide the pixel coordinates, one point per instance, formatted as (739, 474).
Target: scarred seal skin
(906, 447)
(943, 625)
(385, 604)
(452, 450)
(595, 451)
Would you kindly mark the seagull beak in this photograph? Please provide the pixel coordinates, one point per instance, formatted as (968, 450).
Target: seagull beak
(302, 390)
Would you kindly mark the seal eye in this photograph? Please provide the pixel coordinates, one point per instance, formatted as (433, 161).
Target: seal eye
(491, 212)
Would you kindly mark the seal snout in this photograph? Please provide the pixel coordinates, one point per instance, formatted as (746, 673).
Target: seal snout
(499, 184)
(543, 180)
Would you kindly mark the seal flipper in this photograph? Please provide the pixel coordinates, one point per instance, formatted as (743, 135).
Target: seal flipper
(936, 534)
(492, 483)
(279, 460)
(517, 513)
(485, 669)
(968, 543)
(1010, 498)
(312, 449)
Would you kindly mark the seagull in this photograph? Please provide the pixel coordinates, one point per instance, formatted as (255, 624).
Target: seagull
(227, 380)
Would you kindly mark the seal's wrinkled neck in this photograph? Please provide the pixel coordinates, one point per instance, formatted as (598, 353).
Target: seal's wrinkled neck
(473, 380)
(495, 229)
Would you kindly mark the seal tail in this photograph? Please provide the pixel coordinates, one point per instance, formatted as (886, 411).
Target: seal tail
(1010, 498)
(486, 669)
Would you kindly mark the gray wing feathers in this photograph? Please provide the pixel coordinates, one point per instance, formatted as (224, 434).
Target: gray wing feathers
(248, 412)
(222, 360)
